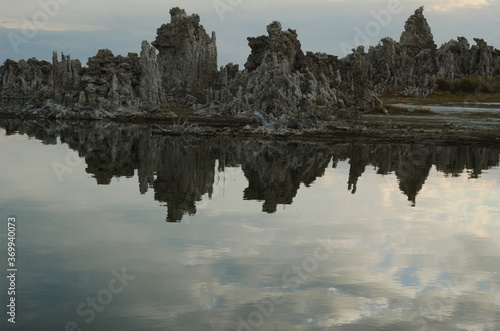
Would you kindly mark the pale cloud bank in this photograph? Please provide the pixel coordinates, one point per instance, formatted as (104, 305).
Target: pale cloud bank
(81, 28)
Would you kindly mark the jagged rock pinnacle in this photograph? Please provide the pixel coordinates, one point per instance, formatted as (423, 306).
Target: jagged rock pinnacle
(417, 32)
(187, 54)
(280, 82)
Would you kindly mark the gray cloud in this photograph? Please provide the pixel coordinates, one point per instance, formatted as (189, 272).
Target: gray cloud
(321, 25)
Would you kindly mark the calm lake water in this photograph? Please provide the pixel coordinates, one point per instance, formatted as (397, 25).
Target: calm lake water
(121, 228)
(492, 108)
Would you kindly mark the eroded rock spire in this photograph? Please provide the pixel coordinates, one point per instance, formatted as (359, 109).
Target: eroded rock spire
(187, 54)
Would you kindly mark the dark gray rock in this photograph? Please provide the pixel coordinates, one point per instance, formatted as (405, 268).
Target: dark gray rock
(187, 55)
(286, 87)
(276, 84)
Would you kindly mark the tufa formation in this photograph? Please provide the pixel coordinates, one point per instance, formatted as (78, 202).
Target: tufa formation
(280, 85)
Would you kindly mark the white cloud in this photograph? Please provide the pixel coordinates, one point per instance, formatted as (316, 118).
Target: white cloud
(16, 23)
(446, 5)
(322, 25)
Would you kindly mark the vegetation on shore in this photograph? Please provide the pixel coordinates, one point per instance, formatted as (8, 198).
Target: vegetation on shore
(473, 84)
(469, 90)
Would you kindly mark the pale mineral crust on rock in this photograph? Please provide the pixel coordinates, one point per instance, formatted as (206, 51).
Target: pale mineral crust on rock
(275, 86)
(408, 66)
(280, 85)
(150, 87)
(457, 59)
(187, 55)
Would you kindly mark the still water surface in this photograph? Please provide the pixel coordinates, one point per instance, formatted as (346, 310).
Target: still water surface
(121, 228)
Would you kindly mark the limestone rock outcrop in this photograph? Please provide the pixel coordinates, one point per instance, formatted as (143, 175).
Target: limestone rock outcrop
(280, 85)
(408, 66)
(111, 81)
(150, 87)
(32, 75)
(108, 82)
(417, 35)
(413, 65)
(419, 51)
(280, 46)
(28, 76)
(187, 55)
(65, 73)
(276, 86)
(457, 59)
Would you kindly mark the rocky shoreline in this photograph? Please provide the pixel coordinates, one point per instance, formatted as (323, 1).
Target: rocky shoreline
(280, 91)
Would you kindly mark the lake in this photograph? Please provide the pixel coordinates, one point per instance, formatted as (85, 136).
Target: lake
(119, 227)
(489, 110)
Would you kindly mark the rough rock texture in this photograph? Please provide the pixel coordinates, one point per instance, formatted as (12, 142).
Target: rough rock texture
(418, 55)
(276, 87)
(28, 76)
(419, 52)
(280, 46)
(108, 83)
(111, 81)
(408, 66)
(412, 65)
(417, 36)
(457, 59)
(33, 75)
(280, 85)
(280, 82)
(187, 55)
(65, 73)
(150, 87)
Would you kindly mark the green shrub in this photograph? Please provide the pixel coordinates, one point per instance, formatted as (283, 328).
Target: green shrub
(487, 87)
(490, 84)
(469, 85)
(443, 84)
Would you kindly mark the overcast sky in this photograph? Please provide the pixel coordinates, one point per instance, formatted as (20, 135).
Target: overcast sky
(80, 28)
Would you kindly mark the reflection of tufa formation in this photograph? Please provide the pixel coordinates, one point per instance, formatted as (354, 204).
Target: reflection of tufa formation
(280, 83)
(181, 172)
